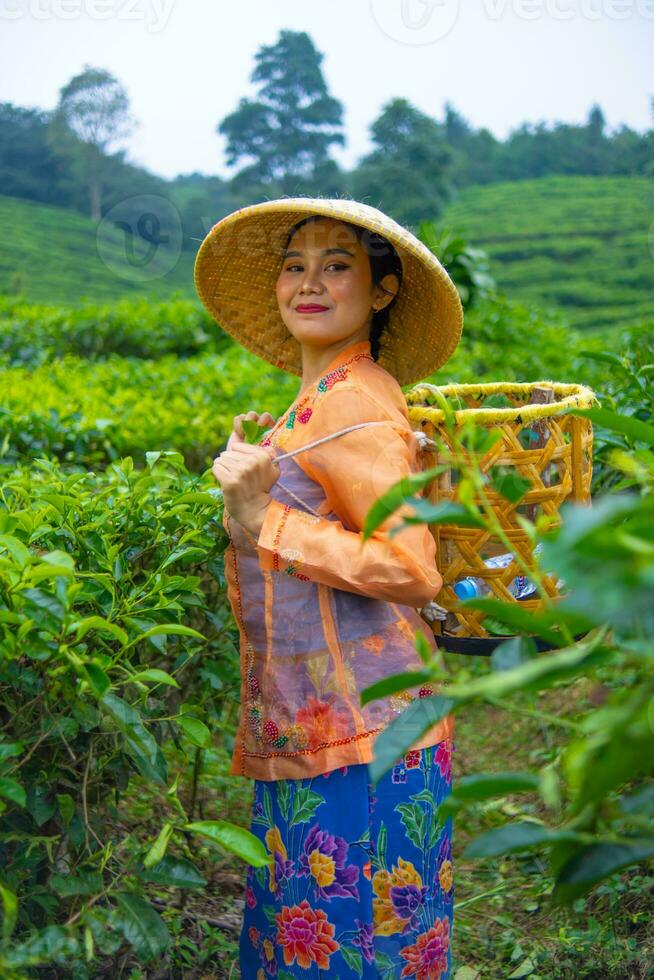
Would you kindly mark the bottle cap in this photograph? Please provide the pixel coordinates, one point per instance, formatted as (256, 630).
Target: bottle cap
(466, 589)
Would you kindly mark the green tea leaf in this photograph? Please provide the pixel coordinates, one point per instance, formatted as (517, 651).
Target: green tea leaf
(511, 653)
(442, 513)
(102, 626)
(238, 840)
(626, 424)
(517, 617)
(85, 883)
(195, 729)
(393, 684)
(595, 862)
(176, 872)
(518, 836)
(142, 926)
(400, 734)
(642, 801)
(509, 484)
(252, 431)
(97, 678)
(175, 629)
(11, 790)
(401, 492)
(66, 806)
(158, 848)
(483, 786)
(156, 676)
(10, 905)
(16, 549)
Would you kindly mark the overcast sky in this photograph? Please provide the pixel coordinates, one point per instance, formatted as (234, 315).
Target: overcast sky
(186, 63)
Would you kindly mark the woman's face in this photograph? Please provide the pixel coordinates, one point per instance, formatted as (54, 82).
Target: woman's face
(324, 289)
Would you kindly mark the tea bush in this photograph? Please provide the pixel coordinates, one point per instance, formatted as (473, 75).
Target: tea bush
(116, 648)
(89, 414)
(624, 385)
(33, 334)
(598, 790)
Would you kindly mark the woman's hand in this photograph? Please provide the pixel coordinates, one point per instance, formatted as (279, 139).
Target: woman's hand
(246, 473)
(265, 420)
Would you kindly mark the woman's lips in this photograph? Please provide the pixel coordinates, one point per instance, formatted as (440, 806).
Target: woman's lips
(310, 308)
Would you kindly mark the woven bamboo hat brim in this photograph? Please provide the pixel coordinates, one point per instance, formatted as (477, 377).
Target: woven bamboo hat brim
(238, 264)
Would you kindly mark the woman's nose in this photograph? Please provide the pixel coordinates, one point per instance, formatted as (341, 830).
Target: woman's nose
(310, 281)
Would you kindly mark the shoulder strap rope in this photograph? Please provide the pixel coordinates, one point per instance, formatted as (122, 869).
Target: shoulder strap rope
(309, 445)
(422, 439)
(331, 435)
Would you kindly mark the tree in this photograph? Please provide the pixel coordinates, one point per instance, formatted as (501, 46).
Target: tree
(457, 129)
(596, 121)
(597, 145)
(462, 138)
(408, 172)
(285, 133)
(95, 107)
(29, 166)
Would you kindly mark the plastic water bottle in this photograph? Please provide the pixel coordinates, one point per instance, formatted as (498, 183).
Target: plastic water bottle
(473, 587)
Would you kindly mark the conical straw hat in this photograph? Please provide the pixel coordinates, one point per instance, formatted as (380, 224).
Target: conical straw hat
(238, 264)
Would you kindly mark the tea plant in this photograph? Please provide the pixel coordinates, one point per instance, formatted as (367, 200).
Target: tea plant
(598, 790)
(116, 649)
(32, 334)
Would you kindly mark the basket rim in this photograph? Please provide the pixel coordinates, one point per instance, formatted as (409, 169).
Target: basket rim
(573, 396)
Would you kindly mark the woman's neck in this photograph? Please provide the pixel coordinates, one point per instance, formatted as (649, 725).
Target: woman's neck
(317, 360)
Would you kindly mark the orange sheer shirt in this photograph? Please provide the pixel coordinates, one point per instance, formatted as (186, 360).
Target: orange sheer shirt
(321, 613)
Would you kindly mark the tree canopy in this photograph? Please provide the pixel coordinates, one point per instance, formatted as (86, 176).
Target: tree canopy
(285, 133)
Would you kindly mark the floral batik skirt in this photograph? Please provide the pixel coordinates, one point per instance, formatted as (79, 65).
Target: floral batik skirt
(360, 883)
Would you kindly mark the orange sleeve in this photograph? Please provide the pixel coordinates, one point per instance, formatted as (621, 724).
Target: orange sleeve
(354, 469)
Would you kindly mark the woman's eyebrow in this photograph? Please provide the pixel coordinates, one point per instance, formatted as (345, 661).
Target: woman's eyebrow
(325, 251)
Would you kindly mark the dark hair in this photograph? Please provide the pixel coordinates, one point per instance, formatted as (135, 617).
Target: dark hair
(383, 260)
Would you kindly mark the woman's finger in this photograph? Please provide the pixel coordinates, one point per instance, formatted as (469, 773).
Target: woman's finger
(238, 421)
(238, 425)
(249, 448)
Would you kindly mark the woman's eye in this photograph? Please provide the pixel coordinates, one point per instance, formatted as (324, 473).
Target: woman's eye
(332, 265)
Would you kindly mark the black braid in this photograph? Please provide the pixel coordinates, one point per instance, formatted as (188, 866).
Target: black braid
(383, 260)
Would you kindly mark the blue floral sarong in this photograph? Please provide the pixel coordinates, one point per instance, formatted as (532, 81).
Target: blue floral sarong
(362, 881)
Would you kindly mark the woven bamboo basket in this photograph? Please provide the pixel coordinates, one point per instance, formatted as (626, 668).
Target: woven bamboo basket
(538, 440)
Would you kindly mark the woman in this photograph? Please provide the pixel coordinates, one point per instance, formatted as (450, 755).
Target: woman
(360, 879)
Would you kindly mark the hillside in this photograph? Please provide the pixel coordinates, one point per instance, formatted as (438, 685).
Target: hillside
(584, 244)
(51, 255)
